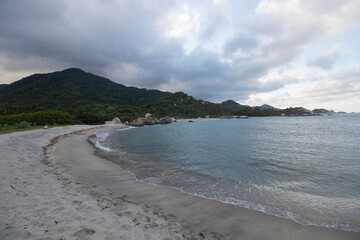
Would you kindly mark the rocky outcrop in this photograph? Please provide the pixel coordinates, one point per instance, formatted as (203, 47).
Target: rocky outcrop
(148, 115)
(165, 120)
(140, 122)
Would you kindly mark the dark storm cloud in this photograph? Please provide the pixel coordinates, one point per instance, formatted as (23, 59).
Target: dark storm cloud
(118, 39)
(87, 34)
(127, 42)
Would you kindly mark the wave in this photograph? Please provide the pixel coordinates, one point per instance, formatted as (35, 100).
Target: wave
(100, 137)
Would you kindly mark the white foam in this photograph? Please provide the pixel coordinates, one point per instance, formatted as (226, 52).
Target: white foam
(100, 137)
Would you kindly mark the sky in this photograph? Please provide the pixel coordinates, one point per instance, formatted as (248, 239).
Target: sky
(278, 52)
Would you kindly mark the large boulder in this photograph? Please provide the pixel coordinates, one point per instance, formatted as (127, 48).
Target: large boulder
(165, 120)
(116, 120)
(139, 122)
(148, 115)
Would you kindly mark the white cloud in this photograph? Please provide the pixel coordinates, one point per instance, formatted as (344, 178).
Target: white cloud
(215, 19)
(187, 21)
(326, 59)
(335, 90)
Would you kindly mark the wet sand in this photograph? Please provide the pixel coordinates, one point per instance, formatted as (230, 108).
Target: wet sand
(206, 218)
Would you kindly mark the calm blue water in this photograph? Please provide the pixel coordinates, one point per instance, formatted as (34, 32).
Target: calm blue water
(303, 168)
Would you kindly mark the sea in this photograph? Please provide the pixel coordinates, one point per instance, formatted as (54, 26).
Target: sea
(306, 169)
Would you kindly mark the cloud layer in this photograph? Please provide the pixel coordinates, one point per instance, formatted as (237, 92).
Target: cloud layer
(209, 51)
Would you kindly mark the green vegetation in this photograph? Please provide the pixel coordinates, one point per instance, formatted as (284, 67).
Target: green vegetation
(233, 106)
(68, 89)
(177, 105)
(322, 111)
(180, 105)
(239, 110)
(257, 112)
(30, 121)
(99, 113)
(38, 118)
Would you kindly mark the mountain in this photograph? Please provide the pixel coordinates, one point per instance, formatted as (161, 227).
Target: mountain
(181, 105)
(70, 88)
(267, 107)
(232, 105)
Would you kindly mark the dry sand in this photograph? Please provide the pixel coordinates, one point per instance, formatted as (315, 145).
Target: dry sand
(78, 195)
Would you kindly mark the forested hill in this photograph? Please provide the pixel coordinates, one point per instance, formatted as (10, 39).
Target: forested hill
(70, 88)
(181, 105)
(232, 105)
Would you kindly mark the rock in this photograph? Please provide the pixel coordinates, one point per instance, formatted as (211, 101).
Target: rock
(149, 123)
(126, 123)
(148, 115)
(116, 120)
(165, 120)
(191, 121)
(139, 122)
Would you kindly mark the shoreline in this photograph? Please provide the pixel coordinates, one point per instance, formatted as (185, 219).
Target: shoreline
(52, 186)
(208, 216)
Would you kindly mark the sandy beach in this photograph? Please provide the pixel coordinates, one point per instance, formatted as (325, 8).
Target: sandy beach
(41, 200)
(55, 187)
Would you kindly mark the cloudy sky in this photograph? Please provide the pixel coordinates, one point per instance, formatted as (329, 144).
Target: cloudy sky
(280, 52)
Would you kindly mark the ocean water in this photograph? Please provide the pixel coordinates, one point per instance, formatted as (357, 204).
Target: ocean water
(306, 169)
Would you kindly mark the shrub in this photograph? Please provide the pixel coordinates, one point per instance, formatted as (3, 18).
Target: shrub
(23, 124)
(39, 118)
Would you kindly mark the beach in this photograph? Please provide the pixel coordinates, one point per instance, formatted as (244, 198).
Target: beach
(41, 200)
(53, 186)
